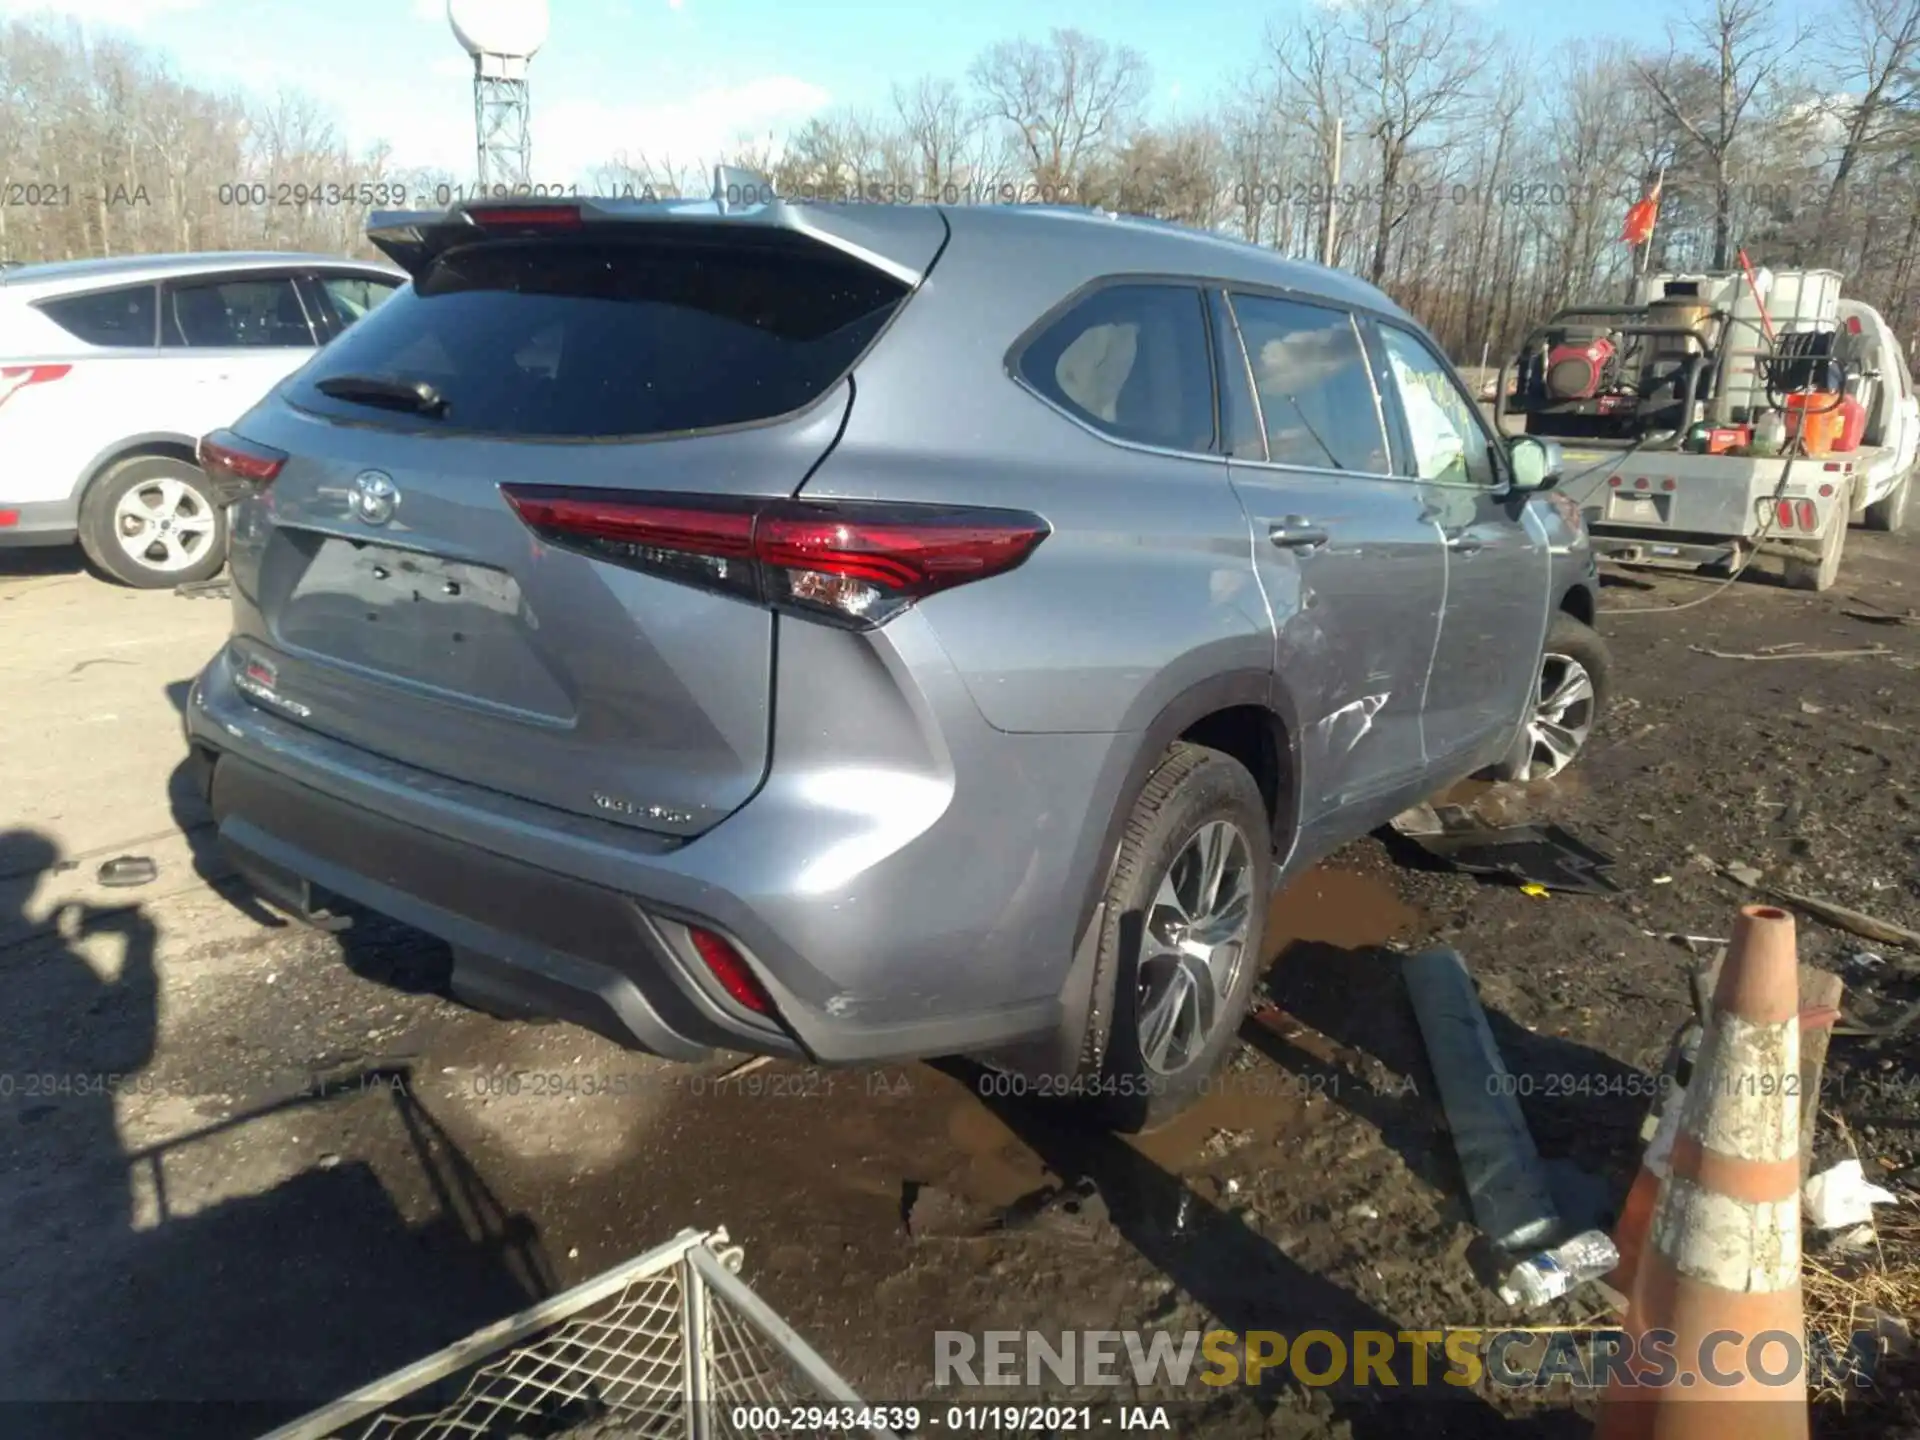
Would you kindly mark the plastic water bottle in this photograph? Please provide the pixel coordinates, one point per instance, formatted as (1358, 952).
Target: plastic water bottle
(1552, 1273)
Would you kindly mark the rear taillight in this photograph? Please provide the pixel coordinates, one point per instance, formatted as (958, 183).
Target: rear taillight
(1809, 517)
(733, 973)
(15, 378)
(852, 563)
(1783, 512)
(225, 456)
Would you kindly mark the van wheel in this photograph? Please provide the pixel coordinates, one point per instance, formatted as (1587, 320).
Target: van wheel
(1889, 513)
(152, 521)
(1185, 918)
(1819, 573)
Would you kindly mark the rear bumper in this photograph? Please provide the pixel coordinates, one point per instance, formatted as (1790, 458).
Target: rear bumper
(1663, 550)
(937, 949)
(38, 522)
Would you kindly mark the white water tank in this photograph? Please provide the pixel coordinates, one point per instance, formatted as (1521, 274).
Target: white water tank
(513, 28)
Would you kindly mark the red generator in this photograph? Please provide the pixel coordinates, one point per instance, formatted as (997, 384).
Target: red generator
(1577, 364)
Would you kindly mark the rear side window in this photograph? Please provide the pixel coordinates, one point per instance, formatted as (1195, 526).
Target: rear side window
(591, 338)
(1131, 360)
(1317, 401)
(353, 297)
(106, 317)
(234, 314)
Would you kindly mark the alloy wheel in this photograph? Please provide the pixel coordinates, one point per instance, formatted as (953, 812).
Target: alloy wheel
(1193, 945)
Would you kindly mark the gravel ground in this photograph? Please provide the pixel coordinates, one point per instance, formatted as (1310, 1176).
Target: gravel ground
(324, 1169)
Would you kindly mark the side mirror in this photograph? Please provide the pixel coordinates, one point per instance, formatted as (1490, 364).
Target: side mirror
(1537, 463)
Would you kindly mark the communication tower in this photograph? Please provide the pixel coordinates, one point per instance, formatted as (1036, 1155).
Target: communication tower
(502, 37)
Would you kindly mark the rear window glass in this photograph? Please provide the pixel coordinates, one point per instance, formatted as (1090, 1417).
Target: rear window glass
(597, 338)
(106, 317)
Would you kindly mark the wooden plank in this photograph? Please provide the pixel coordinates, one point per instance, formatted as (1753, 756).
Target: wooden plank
(1818, 988)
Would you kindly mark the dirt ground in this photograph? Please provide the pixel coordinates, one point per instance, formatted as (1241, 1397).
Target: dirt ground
(312, 1168)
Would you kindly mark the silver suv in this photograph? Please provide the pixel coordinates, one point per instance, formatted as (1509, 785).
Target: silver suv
(860, 633)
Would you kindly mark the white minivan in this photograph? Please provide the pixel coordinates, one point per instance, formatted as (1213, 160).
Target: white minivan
(111, 370)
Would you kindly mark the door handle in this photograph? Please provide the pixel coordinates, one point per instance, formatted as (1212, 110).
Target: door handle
(1296, 532)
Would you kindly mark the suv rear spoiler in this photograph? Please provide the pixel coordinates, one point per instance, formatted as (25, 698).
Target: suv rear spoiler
(902, 241)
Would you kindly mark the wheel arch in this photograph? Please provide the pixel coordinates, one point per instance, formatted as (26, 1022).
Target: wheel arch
(1580, 604)
(168, 444)
(1241, 712)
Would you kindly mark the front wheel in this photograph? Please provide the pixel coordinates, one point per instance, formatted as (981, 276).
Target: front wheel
(153, 521)
(1570, 695)
(1180, 945)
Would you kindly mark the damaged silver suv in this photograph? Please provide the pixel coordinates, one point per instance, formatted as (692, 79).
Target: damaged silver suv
(861, 633)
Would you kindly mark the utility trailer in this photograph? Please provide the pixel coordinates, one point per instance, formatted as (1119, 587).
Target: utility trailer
(1706, 356)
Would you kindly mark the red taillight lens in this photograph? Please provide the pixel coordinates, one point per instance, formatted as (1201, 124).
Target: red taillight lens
(1783, 512)
(1809, 517)
(1826, 492)
(225, 456)
(1667, 484)
(730, 970)
(1640, 482)
(1614, 481)
(9, 518)
(15, 378)
(849, 562)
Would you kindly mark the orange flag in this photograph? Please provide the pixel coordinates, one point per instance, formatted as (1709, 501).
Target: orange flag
(1640, 217)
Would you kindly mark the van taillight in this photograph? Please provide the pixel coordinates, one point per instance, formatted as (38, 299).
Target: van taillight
(850, 562)
(224, 455)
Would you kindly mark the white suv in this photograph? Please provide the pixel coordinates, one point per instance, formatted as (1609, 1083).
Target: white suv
(110, 370)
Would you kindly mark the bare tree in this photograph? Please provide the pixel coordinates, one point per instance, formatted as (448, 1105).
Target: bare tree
(1069, 102)
(940, 128)
(1310, 61)
(1884, 39)
(1710, 91)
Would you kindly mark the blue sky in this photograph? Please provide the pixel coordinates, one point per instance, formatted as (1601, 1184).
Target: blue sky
(686, 77)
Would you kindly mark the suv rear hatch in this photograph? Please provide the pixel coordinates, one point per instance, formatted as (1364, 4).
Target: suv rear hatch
(389, 595)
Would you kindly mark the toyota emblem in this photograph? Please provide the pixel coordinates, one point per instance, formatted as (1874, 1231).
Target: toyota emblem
(374, 497)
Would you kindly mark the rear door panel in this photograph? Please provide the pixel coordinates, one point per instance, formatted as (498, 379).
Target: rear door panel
(1356, 614)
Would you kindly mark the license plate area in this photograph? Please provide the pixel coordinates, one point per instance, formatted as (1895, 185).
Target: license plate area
(1637, 509)
(447, 624)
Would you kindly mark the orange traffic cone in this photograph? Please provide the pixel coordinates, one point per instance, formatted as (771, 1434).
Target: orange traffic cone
(1636, 1215)
(1714, 1316)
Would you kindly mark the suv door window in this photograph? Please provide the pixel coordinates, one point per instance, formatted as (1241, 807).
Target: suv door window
(1131, 361)
(1450, 445)
(351, 297)
(234, 314)
(120, 318)
(1317, 402)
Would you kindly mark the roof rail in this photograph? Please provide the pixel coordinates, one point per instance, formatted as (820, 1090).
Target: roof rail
(735, 188)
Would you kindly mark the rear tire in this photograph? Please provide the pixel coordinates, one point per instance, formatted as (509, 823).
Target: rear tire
(1819, 573)
(1180, 944)
(1889, 513)
(153, 522)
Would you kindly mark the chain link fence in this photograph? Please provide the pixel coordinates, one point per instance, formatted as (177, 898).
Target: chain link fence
(670, 1344)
